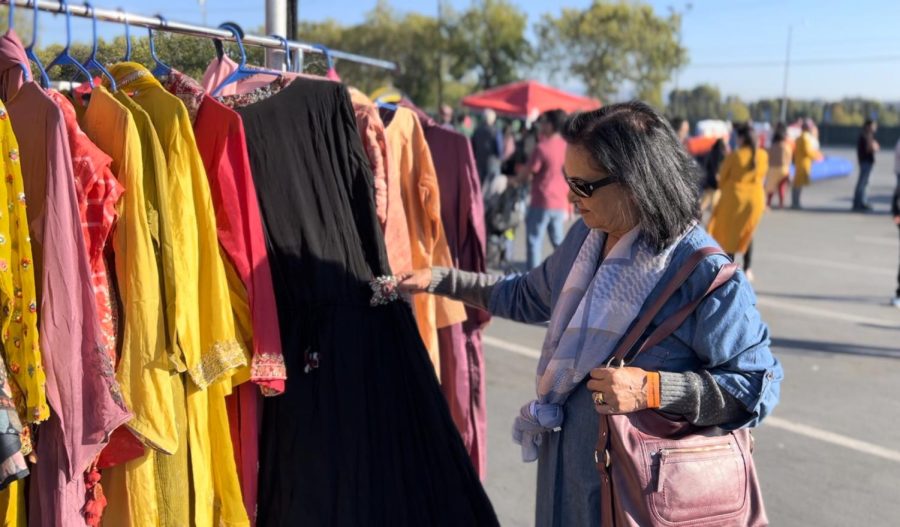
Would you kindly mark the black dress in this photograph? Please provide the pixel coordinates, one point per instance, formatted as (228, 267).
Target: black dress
(362, 435)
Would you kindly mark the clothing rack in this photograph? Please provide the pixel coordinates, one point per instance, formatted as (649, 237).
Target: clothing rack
(161, 24)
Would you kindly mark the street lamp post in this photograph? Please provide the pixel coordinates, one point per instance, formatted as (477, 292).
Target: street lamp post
(276, 24)
(687, 9)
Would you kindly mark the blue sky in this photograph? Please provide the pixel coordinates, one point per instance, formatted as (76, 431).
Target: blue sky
(840, 47)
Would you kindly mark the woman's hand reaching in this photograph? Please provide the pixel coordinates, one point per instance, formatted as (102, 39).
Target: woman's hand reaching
(412, 282)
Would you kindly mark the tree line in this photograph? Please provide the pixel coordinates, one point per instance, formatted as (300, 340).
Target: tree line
(706, 102)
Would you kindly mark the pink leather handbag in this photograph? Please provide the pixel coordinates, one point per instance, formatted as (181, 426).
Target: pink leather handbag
(661, 471)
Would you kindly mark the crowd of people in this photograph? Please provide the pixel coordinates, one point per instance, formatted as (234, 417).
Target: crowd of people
(521, 167)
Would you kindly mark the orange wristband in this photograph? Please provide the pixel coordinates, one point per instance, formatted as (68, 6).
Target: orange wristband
(653, 389)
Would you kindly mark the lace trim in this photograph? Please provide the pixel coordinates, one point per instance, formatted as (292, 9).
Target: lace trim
(384, 290)
(220, 359)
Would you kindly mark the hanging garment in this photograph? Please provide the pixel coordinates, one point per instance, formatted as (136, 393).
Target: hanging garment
(12, 240)
(98, 193)
(208, 349)
(414, 171)
(142, 370)
(388, 197)
(462, 215)
(23, 360)
(81, 387)
(362, 434)
(220, 140)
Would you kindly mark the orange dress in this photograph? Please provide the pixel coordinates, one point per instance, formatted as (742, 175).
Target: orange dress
(413, 171)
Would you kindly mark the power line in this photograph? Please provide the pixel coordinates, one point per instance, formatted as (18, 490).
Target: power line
(797, 62)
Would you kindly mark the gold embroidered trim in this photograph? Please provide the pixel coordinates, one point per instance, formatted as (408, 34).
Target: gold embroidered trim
(219, 360)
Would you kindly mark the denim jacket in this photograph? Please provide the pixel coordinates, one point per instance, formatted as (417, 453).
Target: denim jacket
(725, 335)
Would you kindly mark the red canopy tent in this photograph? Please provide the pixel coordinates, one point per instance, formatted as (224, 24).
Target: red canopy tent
(524, 97)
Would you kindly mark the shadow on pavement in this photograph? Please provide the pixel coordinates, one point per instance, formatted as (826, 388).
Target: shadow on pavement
(799, 346)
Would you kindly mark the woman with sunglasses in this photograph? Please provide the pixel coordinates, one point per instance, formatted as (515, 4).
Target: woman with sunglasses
(636, 189)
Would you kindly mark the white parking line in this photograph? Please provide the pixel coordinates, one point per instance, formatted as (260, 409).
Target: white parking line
(774, 422)
(834, 439)
(821, 262)
(826, 313)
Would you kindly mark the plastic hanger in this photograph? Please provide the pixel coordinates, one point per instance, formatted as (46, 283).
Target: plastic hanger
(26, 70)
(242, 71)
(329, 61)
(127, 57)
(161, 69)
(65, 58)
(29, 51)
(92, 63)
(287, 51)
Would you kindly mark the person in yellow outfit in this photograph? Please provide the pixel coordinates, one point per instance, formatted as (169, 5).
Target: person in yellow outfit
(743, 201)
(805, 152)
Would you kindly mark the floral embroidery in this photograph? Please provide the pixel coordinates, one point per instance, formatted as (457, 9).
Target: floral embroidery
(17, 342)
(9, 178)
(15, 368)
(17, 291)
(14, 155)
(260, 94)
(220, 359)
(25, 263)
(21, 197)
(4, 266)
(2, 239)
(2, 114)
(267, 367)
(32, 307)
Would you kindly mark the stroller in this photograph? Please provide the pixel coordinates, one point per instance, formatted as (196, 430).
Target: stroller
(504, 210)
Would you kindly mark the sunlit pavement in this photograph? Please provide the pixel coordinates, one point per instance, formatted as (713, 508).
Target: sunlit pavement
(830, 454)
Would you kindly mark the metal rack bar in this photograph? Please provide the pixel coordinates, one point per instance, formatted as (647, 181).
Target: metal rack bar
(156, 23)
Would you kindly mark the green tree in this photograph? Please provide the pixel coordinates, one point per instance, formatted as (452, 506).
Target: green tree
(610, 45)
(489, 40)
(735, 109)
(701, 102)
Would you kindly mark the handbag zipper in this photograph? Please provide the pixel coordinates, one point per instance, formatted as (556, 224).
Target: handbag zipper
(695, 450)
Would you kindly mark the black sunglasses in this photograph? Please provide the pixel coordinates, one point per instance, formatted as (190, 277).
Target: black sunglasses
(585, 189)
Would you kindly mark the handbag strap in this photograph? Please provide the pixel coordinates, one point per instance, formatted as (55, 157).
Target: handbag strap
(664, 330)
(602, 456)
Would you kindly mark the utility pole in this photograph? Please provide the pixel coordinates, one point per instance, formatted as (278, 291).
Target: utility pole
(787, 67)
(276, 24)
(202, 10)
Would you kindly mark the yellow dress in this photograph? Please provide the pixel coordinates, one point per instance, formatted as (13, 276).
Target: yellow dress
(804, 155)
(412, 166)
(18, 318)
(18, 322)
(142, 372)
(742, 200)
(206, 346)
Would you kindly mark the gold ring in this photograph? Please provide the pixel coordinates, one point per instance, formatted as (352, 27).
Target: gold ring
(598, 398)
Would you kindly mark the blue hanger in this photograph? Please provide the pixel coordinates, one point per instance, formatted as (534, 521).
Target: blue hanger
(329, 61)
(92, 63)
(162, 69)
(242, 71)
(29, 51)
(287, 51)
(65, 58)
(127, 57)
(26, 70)
(387, 106)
